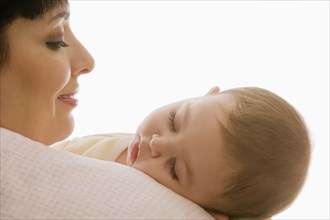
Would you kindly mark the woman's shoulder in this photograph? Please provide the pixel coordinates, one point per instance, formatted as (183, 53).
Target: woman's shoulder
(10, 139)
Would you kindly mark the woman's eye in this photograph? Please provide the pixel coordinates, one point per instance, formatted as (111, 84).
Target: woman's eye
(172, 169)
(55, 45)
(171, 124)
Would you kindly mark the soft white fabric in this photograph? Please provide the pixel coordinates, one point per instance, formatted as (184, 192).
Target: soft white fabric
(38, 182)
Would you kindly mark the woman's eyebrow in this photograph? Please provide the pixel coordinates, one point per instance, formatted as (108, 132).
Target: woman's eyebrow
(65, 15)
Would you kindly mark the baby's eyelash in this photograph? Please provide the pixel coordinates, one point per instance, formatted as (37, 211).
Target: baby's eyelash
(171, 121)
(172, 169)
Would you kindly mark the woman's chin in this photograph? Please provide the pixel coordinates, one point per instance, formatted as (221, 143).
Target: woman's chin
(61, 131)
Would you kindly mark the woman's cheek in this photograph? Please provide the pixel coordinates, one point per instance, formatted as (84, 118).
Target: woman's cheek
(60, 78)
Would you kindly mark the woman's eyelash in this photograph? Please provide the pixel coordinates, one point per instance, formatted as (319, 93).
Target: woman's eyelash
(171, 121)
(172, 169)
(55, 45)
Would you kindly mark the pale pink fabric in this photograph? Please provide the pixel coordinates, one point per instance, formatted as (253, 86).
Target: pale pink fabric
(42, 183)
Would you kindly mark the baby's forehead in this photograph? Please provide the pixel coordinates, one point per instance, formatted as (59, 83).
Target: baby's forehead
(220, 103)
(225, 98)
(223, 103)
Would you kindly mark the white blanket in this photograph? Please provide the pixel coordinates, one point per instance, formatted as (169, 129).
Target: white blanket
(42, 183)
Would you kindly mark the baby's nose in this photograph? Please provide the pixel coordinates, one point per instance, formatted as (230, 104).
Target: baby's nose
(155, 145)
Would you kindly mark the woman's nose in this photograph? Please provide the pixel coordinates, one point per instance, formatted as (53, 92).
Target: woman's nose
(156, 145)
(81, 60)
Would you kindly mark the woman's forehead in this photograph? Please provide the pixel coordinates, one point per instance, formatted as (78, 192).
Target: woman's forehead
(50, 14)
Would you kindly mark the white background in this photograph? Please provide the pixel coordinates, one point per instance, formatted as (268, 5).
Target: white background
(150, 53)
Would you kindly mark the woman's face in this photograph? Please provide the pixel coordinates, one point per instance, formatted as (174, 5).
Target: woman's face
(39, 80)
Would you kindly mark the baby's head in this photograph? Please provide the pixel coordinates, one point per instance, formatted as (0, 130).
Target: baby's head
(268, 143)
(242, 152)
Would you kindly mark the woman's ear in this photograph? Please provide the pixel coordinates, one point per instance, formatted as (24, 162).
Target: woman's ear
(215, 90)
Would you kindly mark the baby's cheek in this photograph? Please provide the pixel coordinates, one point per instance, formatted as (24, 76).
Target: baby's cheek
(144, 167)
(155, 171)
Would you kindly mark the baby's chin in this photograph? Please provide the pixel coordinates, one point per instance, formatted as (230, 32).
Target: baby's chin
(122, 158)
(128, 162)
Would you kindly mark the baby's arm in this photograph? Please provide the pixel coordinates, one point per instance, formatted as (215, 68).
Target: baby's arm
(100, 146)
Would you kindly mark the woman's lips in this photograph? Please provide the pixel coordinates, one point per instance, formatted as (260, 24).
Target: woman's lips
(68, 99)
(135, 150)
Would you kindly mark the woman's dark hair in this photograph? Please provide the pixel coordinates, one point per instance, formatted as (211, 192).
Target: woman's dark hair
(29, 9)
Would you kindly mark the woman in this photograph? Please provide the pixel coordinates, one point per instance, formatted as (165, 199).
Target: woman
(40, 63)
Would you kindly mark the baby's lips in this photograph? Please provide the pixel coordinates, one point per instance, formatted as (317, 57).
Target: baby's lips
(134, 151)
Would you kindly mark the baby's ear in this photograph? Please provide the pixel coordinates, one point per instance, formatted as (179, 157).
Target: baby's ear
(215, 90)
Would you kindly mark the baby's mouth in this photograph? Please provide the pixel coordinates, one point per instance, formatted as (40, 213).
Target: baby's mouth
(135, 150)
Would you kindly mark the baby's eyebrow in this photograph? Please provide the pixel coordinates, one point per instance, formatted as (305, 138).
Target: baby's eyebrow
(187, 162)
(184, 121)
(186, 115)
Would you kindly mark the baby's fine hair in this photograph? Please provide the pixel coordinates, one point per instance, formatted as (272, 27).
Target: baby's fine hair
(269, 144)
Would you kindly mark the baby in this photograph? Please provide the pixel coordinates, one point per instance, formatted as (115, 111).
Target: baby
(243, 152)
